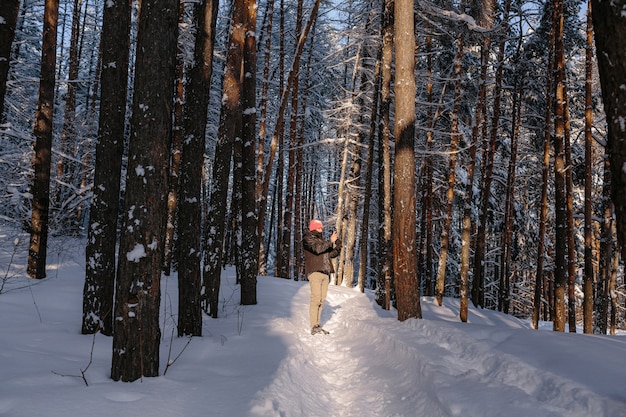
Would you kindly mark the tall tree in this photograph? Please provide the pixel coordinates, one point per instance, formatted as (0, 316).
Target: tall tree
(607, 253)
(261, 194)
(369, 173)
(177, 145)
(103, 219)
(588, 277)
(425, 257)
(405, 256)
(192, 162)
(482, 10)
(229, 127)
(290, 217)
(8, 20)
(43, 144)
(572, 269)
(385, 265)
(540, 288)
(609, 22)
(278, 141)
(483, 16)
(136, 334)
(560, 203)
(249, 239)
(504, 299)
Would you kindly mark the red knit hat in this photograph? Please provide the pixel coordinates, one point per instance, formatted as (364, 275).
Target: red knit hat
(315, 224)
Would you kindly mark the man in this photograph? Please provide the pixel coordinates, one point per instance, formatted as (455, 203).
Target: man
(318, 267)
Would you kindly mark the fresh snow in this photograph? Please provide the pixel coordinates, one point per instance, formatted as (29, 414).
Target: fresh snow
(138, 252)
(262, 360)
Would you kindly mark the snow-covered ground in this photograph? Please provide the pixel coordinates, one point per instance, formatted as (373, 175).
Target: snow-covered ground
(262, 361)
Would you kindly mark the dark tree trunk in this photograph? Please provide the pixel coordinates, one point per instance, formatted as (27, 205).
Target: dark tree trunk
(540, 277)
(136, 333)
(262, 194)
(504, 299)
(483, 11)
(103, 220)
(560, 198)
(189, 206)
(176, 157)
(249, 238)
(385, 265)
(607, 252)
(8, 21)
(609, 21)
(43, 145)
(588, 276)
(229, 126)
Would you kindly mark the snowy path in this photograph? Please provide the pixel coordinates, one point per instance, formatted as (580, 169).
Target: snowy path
(433, 367)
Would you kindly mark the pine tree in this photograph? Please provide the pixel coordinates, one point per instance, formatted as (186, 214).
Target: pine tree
(103, 219)
(404, 255)
(609, 22)
(136, 333)
(192, 160)
(43, 145)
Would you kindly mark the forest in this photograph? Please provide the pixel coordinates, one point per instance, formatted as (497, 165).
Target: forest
(471, 149)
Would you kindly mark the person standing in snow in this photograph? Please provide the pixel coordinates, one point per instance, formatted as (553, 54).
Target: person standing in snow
(318, 267)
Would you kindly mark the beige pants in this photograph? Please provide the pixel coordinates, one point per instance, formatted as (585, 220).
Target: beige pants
(319, 289)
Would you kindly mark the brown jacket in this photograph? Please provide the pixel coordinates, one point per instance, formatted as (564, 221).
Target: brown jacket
(318, 252)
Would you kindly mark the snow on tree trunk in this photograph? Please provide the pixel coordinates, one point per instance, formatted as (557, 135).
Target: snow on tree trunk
(102, 231)
(136, 335)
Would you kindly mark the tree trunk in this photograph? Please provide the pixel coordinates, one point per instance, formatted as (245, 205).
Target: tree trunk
(136, 333)
(278, 139)
(609, 21)
(540, 289)
(261, 196)
(289, 224)
(363, 252)
(103, 219)
(425, 260)
(229, 126)
(572, 269)
(43, 145)
(588, 276)
(504, 291)
(249, 239)
(404, 250)
(177, 145)
(385, 265)
(466, 232)
(504, 299)
(483, 12)
(9, 10)
(607, 249)
(189, 207)
(560, 198)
